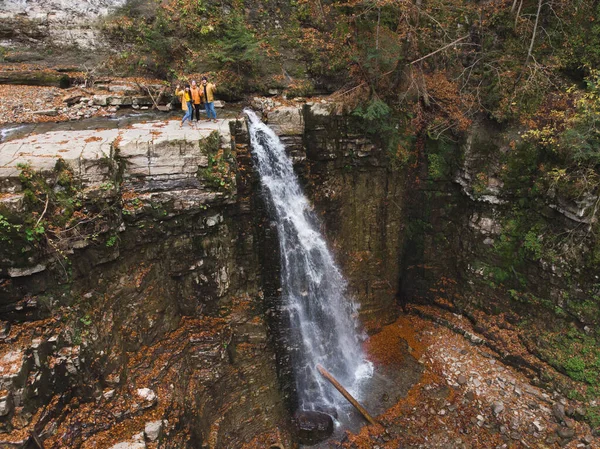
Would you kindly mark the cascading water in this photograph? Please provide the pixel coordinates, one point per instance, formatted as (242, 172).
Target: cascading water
(322, 317)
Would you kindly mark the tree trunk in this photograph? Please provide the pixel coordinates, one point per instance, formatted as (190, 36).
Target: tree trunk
(347, 395)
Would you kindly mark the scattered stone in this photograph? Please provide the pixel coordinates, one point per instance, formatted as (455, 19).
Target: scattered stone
(4, 329)
(146, 394)
(559, 412)
(565, 432)
(219, 104)
(538, 427)
(109, 394)
(130, 445)
(497, 407)
(47, 112)
(153, 430)
(72, 99)
(22, 272)
(100, 100)
(462, 379)
(588, 439)
(518, 391)
(6, 403)
(122, 89)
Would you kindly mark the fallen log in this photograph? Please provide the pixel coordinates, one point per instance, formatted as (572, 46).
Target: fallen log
(347, 395)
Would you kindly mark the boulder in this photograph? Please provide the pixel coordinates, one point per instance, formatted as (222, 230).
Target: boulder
(146, 394)
(123, 89)
(101, 100)
(120, 101)
(287, 121)
(497, 407)
(312, 427)
(153, 430)
(559, 412)
(72, 99)
(28, 271)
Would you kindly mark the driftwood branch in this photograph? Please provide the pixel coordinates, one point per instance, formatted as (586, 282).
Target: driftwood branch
(347, 395)
(147, 89)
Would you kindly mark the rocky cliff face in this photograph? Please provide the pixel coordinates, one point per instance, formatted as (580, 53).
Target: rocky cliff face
(147, 310)
(520, 270)
(151, 300)
(53, 22)
(359, 197)
(156, 301)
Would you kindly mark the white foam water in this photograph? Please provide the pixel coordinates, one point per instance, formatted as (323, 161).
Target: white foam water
(324, 329)
(6, 132)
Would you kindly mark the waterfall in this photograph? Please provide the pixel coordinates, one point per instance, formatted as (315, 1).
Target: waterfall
(323, 318)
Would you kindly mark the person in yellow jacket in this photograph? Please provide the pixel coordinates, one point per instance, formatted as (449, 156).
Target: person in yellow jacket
(196, 99)
(208, 95)
(186, 102)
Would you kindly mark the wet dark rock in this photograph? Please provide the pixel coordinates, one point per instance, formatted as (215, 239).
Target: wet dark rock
(327, 411)
(312, 427)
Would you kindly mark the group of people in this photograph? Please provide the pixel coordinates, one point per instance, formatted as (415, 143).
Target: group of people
(193, 96)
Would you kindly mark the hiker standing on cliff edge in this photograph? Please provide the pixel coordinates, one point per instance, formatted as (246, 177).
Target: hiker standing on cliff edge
(196, 98)
(208, 95)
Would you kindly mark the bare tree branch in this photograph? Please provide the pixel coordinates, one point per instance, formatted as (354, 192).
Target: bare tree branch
(441, 49)
(537, 19)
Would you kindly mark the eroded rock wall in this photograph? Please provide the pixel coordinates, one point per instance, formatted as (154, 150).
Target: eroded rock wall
(516, 264)
(151, 309)
(358, 196)
(54, 22)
